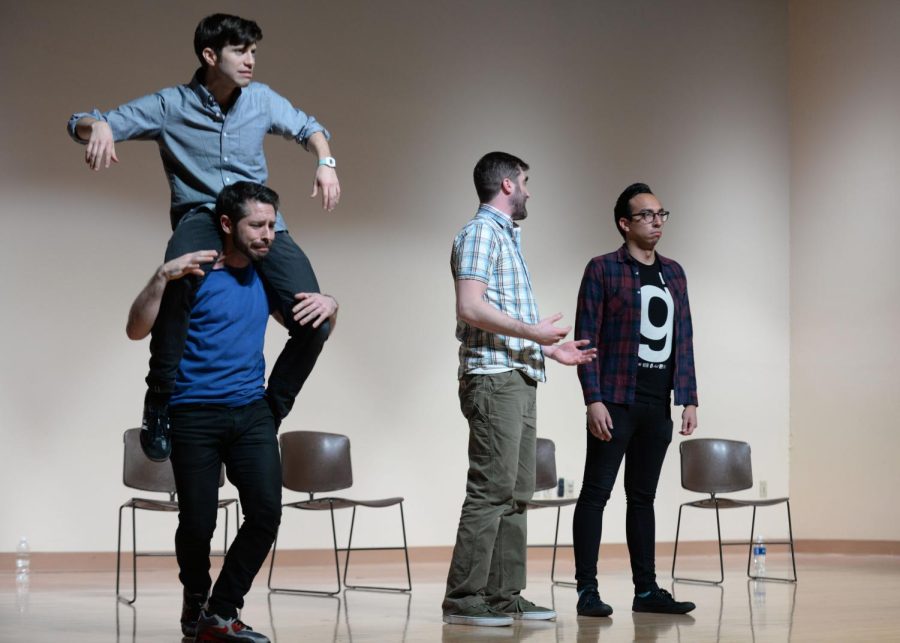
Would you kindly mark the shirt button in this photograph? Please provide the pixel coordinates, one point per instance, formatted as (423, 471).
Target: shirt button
(227, 180)
(224, 158)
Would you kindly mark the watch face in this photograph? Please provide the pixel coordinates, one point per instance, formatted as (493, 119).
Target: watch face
(329, 161)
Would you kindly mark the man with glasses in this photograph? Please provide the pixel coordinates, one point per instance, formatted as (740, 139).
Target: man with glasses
(633, 307)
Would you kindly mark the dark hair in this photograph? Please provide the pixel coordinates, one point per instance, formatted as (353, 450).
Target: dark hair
(221, 29)
(623, 209)
(490, 171)
(232, 200)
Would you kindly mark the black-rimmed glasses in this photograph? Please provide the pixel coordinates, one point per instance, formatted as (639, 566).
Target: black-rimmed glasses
(647, 216)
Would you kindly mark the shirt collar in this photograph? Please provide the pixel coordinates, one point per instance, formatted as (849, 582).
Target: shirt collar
(197, 86)
(623, 256)
(502, 218)
(206, 98)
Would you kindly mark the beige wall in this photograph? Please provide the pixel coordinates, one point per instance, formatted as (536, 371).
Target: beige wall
(845, 294)
(691, 97)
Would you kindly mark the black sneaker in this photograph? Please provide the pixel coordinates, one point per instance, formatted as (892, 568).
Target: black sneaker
(155, 428)
(212, 627)
(191, 605)
(590, 604)
(661, 602)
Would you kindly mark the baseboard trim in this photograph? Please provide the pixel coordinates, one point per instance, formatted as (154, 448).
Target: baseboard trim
(56, 562)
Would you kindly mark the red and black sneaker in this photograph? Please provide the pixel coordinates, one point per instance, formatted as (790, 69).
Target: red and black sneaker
(212, 627)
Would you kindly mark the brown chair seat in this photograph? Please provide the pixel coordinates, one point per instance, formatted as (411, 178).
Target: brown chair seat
(326, 504)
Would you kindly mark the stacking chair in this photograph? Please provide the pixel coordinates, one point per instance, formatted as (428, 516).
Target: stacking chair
(545, 478)
(715, 466)
(313, 462)
(143, 474)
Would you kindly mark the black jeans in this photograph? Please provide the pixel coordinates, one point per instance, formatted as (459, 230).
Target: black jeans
(285, 271)
(641, 434)
(205, 436)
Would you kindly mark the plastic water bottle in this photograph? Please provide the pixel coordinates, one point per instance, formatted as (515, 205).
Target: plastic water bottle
(23, 559)
(759, 556)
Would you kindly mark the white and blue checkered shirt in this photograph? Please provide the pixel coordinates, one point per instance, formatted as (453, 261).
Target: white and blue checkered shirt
(487, 249)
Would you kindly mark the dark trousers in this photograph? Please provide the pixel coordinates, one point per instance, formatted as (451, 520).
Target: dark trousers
(285, 271)
(641, 435)
(204, 437)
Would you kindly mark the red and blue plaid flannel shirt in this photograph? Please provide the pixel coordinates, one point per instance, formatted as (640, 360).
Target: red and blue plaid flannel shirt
(609, 315)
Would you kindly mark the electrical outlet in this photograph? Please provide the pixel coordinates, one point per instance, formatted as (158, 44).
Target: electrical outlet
(763, 489)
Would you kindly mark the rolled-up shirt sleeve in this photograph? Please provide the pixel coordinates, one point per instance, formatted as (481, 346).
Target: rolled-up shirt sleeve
(140, 119)
(290, 122)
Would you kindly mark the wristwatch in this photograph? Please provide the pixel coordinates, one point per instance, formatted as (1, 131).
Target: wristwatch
(329, 161)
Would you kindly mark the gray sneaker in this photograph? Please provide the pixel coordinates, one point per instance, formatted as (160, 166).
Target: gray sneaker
(522, 608)
(479, 614)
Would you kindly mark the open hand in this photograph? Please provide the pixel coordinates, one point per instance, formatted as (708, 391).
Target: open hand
(313, 307)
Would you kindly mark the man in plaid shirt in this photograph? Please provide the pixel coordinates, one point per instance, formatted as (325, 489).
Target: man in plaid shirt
(503, 343)
(633, 307)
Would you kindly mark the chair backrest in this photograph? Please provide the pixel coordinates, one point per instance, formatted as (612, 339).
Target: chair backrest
(545, 465)
(312, 461)
(715, 466)
(140, 472)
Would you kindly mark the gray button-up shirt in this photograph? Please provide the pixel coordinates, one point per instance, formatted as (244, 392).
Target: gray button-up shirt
(203, 149)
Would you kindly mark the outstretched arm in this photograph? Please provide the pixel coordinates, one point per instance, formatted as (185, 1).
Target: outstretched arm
(326, 179)
(475, 311)
(571, 353)
(145, 307)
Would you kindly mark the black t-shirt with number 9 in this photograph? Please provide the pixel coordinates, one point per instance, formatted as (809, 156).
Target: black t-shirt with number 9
(657, 349)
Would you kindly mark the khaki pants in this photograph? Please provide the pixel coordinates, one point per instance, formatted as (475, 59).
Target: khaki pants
(489, 557)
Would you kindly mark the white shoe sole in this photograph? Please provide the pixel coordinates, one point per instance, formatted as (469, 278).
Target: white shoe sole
(547, 615)
(482, 621)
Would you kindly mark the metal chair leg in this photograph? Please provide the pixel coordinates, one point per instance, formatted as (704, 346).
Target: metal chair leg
(119, 596)
(553, 564)
(789, 542)
(314, 592)
(702, 581)
(405, 552)
(133, 553)
(677, 532)
(719, 536)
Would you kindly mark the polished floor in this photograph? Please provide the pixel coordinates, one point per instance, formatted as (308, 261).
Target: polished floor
(838, 598)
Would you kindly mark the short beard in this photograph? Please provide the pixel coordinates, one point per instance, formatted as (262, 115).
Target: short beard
(519, 211)
(244, 248)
